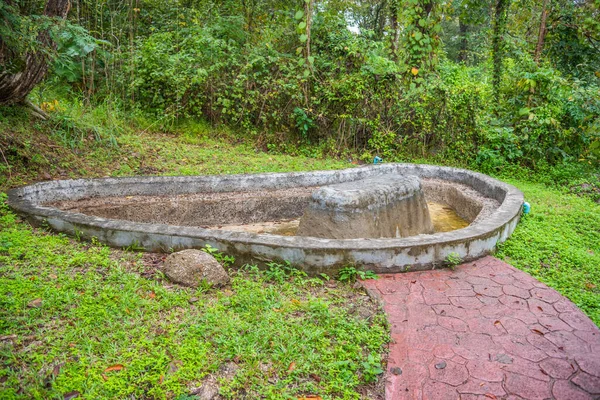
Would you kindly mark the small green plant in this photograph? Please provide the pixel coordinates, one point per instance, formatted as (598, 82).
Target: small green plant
(279, 273)
(3, 202)
(225, 260)
(452, 260)
(325, 277)
(351, 274)
(303, 122)
(371, 368)
(133, 247)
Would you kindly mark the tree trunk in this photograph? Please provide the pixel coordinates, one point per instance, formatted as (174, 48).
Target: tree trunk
(14, 88)
(500, 17)
(542, 33)
(462, 52)
(309, 12)
(394, 9)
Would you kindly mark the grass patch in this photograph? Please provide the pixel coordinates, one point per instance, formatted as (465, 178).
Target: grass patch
(32, 154)
(70, 311)
(559, 244)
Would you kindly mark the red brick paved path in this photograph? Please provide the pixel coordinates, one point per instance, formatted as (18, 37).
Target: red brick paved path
(485, 331)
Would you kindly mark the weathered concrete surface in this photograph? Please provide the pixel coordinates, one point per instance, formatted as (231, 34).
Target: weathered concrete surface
(191, 267)
(382, 207)
(485, 331)
(312, 254)
(197, 209)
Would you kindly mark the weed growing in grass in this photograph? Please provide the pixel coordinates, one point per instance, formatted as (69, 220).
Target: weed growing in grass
(351, 274)
(224, 259)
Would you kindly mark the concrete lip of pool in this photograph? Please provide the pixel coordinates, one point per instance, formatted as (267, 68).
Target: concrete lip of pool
(387, 218)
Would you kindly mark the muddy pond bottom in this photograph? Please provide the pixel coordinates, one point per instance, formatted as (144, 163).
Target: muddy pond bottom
(444, 219)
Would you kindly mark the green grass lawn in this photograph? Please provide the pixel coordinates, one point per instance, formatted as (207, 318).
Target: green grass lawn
(559, 244)
(70, 311)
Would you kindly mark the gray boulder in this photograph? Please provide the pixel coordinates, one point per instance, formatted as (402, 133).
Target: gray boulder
(191, 267)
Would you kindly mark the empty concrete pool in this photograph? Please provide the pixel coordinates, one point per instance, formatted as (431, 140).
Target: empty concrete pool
(388, 217)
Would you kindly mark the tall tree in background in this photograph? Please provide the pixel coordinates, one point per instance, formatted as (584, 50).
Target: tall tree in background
(394, 10)
(29, 68)
(542, 32)
(498, 45)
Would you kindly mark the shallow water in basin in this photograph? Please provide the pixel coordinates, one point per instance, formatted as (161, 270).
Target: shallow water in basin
(444, 219)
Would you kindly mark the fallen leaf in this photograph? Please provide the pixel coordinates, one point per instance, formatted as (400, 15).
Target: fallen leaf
(292, 366)
(36, 303)
(310, 397)
(297, 302)
(116, 367)
(315, 377)
(56, 370)
(490, 396)
(71, 395)
(152, 295)
(7, 337)
(538, 332)
(174, 366)
(104, 377)
(497, 323)
(414, 71)
(540, 308)
(161, 379)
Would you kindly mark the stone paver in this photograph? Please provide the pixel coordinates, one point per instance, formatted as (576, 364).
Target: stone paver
(485, 331)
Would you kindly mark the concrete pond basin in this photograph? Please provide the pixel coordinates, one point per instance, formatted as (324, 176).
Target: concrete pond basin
(169, 213)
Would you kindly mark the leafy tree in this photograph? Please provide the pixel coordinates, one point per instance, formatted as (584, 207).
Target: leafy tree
(25, 43)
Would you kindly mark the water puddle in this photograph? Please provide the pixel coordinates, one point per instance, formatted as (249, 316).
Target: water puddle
(444, 219)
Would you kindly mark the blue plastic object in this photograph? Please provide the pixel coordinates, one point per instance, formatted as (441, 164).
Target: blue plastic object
(526, 208)
(377, 160)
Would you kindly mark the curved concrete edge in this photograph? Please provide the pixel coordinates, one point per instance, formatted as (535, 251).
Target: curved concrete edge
(311, 254)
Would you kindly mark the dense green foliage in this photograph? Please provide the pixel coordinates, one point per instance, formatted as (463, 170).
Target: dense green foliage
(416, 80)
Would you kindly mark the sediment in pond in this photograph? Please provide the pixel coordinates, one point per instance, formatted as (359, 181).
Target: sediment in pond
(274, 212)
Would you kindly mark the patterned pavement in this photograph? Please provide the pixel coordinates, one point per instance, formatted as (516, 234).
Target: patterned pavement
(485, 331)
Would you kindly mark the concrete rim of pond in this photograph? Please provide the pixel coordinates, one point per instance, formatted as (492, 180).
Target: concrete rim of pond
(314, 255)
